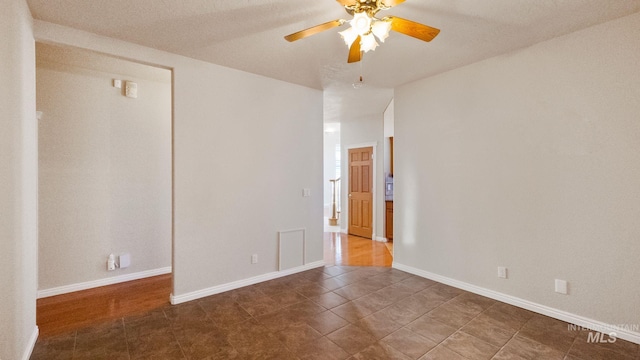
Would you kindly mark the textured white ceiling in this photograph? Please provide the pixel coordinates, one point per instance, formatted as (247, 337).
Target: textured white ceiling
(85, 59)
(248, 35)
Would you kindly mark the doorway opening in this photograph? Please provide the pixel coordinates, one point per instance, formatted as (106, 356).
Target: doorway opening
(105, 178)
(341, 248)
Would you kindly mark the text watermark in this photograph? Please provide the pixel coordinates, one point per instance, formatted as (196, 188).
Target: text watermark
(604, 333)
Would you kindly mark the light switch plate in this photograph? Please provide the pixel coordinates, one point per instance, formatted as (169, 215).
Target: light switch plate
(117, 83)
(306, 192)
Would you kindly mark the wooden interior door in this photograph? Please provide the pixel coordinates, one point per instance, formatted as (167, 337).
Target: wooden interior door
(361, 192)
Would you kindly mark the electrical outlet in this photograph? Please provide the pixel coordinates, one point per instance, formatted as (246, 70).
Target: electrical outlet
(502, 272)
(561, 287)
(254, 258)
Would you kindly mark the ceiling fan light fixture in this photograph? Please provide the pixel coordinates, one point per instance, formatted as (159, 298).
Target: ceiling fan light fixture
(368, 42)
(361, 23)
(365, 29)
(381, 28)
(349, 36)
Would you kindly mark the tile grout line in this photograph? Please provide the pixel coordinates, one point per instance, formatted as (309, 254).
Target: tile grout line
(184, 356)
(388, 306)
(460, 328)
(294, 289)
(512, 336)
(570, 347)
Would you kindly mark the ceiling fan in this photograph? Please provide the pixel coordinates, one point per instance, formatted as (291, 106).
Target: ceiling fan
(366, 27)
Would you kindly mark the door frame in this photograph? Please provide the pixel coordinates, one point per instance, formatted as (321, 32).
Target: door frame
(345, 175)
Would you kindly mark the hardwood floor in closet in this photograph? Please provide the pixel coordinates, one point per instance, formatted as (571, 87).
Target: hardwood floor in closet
(79, 309)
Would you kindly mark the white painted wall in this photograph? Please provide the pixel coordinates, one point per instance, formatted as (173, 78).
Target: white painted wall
(357, 131)
(18, 182)
(388, 117)
(244, 148)
(104, 166)
(529, 160)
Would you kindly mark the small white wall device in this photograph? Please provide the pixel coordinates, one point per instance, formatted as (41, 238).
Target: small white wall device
(124, 260)
(111, 262)
(131, 89)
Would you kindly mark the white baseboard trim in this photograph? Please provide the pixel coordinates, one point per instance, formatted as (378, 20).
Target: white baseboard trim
(31, 344)
(525, 304)
(102, 282)
(194, 295)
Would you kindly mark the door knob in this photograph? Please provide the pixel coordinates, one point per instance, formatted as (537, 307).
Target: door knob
(349, 195)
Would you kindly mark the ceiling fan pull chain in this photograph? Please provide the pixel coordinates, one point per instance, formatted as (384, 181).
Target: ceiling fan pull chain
(360, 83)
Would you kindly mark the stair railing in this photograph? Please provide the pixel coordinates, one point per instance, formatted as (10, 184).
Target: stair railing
(335, 209)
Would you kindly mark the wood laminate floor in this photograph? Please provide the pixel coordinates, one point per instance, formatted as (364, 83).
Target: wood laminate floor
(350, 250)
(68, 312)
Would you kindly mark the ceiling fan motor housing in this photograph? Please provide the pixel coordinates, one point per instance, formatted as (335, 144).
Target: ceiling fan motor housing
(371, 7)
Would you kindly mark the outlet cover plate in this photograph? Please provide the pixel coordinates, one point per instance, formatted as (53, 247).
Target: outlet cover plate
(561, 286)
(124, 260)
(502, 272)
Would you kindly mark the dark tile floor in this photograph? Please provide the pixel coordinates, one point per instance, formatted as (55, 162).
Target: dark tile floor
(336, 313)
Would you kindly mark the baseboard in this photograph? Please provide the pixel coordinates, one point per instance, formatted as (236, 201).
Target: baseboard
(525, 304)
(31, 344)
(179, 299)
(102, 282)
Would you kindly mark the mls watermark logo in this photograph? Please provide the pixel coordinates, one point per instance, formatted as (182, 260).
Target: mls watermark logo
(606, 334)
(598, 337)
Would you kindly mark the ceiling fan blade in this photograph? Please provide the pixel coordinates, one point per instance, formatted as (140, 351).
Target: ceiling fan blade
(313, 30)
(355, 54)
(412, 28)
(392, 3)
(347, 2)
